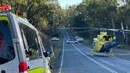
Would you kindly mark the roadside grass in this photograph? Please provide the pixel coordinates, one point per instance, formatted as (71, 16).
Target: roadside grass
(55, 60)
(128, 47)
(57, 48)
(124, 47)
(87, 42)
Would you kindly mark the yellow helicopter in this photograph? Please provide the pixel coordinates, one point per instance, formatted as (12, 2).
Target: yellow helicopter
(103, 43)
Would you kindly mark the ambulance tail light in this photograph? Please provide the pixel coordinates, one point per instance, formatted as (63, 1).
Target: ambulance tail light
(23, 67)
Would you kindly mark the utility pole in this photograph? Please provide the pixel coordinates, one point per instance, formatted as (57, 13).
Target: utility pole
(126, 35)
(113, 26)
(127, 1)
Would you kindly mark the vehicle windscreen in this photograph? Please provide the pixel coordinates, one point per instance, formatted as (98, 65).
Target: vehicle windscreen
(6, 45)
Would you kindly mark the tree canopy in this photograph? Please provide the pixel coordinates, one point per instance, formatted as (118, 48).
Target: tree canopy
(47, 15)
(100, 14)
(44, 14)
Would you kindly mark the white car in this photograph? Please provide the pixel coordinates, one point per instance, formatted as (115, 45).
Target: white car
(55, 39)
(79, 39)
(71, 41)
(76, 37)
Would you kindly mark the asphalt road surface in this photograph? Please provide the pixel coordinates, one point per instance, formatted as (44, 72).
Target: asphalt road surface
(78, 58)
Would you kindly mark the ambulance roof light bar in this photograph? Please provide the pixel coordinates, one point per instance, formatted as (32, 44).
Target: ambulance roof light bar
(5, 8)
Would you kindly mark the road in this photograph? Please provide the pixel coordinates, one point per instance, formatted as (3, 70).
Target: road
(78, 58)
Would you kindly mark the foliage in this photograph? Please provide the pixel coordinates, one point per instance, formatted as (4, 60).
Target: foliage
(48, 16)
(42, 14)
(100, 14)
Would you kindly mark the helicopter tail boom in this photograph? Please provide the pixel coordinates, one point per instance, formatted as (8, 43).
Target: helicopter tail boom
(107, 47)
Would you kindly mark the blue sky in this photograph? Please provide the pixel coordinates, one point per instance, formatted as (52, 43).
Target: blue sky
(65, 3)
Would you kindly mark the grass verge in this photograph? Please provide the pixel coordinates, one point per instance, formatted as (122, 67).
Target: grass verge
(55, 61)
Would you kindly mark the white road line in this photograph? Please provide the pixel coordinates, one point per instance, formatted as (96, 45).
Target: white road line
(103, 66)
(122, 54)
(118, 67)
(62, 59)
(121, 64)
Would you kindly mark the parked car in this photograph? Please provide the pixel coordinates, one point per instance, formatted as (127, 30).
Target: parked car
(79, 39)
(55, 39)
(71, 41)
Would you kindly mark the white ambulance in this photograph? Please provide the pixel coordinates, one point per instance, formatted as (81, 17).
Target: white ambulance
(21, 48)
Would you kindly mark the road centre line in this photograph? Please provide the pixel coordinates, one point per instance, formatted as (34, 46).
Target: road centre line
(122, 61)
(126, 70)
(103, 66)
